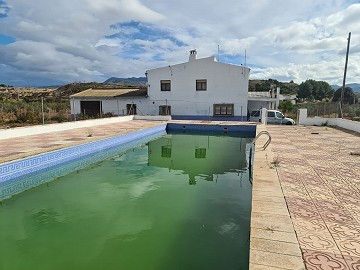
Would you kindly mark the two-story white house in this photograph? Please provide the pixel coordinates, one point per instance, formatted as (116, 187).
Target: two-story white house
(199, 89)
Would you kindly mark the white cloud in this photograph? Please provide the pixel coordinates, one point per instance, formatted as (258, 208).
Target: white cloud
(284, 39)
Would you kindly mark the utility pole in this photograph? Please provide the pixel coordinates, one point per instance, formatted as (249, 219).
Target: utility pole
(344, 79)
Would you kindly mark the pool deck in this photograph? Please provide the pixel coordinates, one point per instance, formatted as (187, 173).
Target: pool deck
(306, 190)
(316, 172)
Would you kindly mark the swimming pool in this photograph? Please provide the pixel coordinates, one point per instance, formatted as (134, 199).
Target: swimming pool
(176, 202)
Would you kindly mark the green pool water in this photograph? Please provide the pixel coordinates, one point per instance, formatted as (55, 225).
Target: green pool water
(178, 202)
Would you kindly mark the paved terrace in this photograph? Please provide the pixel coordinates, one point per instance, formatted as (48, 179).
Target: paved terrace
(319, 172)
(311, 172)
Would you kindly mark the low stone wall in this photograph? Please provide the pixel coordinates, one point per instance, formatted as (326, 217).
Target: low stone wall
(40, 129)
(153, 117)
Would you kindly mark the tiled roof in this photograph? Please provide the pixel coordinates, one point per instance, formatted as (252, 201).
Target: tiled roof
(131, 92)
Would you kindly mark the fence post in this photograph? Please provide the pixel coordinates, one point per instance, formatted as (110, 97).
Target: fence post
(42, 110)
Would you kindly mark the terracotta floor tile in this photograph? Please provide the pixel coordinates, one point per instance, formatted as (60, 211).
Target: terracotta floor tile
(315, 260)
(302, 225)
(349, 246)
(352, 262)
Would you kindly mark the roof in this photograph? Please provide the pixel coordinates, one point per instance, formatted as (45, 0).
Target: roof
(131, 92)
(259, 94)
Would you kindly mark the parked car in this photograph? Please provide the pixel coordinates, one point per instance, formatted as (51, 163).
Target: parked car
(273, 117)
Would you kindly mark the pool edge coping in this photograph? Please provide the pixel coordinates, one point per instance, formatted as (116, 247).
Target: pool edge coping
(273, 241)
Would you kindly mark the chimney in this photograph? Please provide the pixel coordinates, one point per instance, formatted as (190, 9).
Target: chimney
(192, 56)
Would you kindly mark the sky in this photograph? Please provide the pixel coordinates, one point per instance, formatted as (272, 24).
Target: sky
(46, 42)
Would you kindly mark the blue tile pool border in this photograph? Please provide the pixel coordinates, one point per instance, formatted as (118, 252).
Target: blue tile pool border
(242, 130)
(18, 168)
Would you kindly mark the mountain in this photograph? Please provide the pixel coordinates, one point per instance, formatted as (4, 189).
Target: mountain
(127, 81)
(354, 86)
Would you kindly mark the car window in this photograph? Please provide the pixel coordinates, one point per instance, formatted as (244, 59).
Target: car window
(279, 115)
(271, 114)
(255, 113)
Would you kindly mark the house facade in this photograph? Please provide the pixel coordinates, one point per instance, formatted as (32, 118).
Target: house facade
(199, 89)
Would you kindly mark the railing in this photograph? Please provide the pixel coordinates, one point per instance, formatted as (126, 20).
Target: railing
(253, 144)
(257, 137)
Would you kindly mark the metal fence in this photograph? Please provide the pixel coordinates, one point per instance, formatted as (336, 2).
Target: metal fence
(330, 110)
(42, 111)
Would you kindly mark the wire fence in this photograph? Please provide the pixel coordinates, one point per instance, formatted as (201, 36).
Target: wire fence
(44, 111)
(21, 113)
(329, 110)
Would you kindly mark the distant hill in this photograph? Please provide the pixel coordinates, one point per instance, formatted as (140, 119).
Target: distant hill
(133, 81)
(354, 86)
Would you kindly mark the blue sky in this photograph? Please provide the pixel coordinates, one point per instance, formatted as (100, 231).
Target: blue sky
(92, 40)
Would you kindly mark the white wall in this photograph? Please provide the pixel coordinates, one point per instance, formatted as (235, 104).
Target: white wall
(225, 84)
(318, 121)
(153, 117)
(34, 130)
(116, 106)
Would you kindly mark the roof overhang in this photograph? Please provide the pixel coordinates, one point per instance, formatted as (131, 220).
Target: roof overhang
(111, 93)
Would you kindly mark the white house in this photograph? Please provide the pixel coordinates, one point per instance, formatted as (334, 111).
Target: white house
(202, 89)
(199, 89)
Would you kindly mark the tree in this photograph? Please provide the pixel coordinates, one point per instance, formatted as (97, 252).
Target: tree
(349, 96)
(305, 91)
(286, 106)
(315, 90)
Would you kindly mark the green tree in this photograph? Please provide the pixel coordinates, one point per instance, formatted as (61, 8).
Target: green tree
(349, 96)
(305, 91)
(315, 90)
(286, 106)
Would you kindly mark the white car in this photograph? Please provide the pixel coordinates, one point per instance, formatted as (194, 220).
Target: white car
(273, 117)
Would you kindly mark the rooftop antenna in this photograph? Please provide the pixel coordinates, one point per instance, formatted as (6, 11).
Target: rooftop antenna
(344, 79)
(245, 58)
(218, 52)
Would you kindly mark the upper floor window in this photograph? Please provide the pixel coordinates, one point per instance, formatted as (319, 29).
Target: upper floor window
(165, 85)
(201, 85)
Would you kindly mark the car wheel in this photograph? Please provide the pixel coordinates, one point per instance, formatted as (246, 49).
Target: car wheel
(288, 123)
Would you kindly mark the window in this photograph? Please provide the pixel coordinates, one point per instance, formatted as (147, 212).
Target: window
(200, 153)
(271, 114)
(279, 115)
(201, 85)
(164, 110)
(255, 113)
(165, 85)
(223, 109)
(130, 109)
(166, 151)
